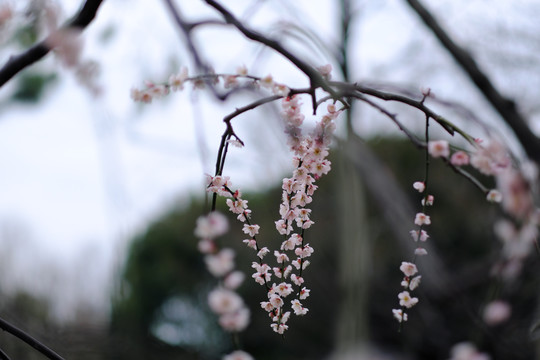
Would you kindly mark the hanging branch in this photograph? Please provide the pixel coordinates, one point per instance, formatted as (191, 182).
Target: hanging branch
(4, 325)
(504, 106)
(35, 53)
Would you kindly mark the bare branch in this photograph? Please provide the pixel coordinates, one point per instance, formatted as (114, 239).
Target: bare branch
(16, 63)
(504, 106)
(4, 325)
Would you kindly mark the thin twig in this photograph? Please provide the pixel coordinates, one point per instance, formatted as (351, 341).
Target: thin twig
(13, 330)
(3, 355)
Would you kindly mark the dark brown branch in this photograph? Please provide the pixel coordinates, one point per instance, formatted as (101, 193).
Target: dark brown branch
(4, 325)
(315, 78)
(3, 355)
(504, 106)
(35, 53)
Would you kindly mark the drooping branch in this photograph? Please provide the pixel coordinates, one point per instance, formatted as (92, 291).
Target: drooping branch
(16, 63)
(504, 106)
(4, 325)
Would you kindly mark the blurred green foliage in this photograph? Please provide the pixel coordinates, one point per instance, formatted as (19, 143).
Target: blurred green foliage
(165, 272)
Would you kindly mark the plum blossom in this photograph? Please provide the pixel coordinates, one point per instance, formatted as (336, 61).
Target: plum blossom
(422, 219)
(494, 196)
(419, 186)
(421, 235)
(251, 230)
(406, 300)
(221, 263)
(496, 312)
(459, 158)
(223, 301)
(399, 315)
(238, 355)
(408, 268)
(467, 351)
(438, 148)
(211, 226)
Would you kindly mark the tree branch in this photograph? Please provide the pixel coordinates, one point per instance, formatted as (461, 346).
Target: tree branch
(315, 78)
(504, 106)
(4, 325)
(35, 53)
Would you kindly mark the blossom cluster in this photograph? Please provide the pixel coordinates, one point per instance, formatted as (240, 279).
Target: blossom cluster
(411, 279)
(177, 81)
(310, 163)
(223, 300)
(513, 192)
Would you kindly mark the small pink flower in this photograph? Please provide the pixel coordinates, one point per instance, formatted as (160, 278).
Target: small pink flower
(494, 196)
(399, 315)
(406, 300)
(497, 312)
(251, 230)
(459, 158)
(420, 251)
(438, 148)
(238, 355)
(428, 200)
(409, 269)
(419, 186)
(415, 282)
(422, 219)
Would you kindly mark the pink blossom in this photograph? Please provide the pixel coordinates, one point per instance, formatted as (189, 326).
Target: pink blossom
(494, 196)
(279, 328)
(221, 263)
(267, 82)
(242, 70)
(211, 226)
(284, 289)
(176, 81)
(423, 235)
(250, 243)
(467, 351)
(438, 148)
(422, 219)
(408, 268)
(238, 355)
(459, 158)
(406, 300)
(276, 301)
(497, 312)
(251, 230)
(399, 315)
(223, 301)
(262, 252)
(428, 200)
(304, 293)
(420, 251)
(235, 321)
(281, 257)
(415, 282)
(296, 305)
(326, 71)
(419, 186)
(298, 280)
(234, 280)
